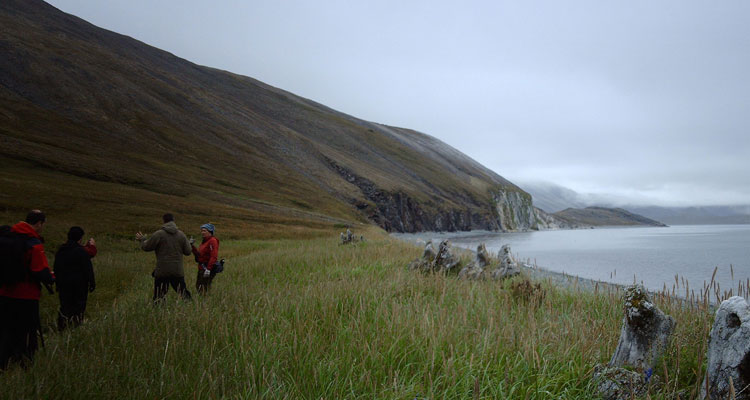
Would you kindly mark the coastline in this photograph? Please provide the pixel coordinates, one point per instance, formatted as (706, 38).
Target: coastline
(537, 273)
(559, 279)
(687, 262)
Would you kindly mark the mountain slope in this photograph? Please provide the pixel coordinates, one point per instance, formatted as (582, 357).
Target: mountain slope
(600, 216)
(86, 102)
(552, 198)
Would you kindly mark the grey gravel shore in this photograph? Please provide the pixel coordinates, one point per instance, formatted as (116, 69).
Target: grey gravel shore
(566, 281)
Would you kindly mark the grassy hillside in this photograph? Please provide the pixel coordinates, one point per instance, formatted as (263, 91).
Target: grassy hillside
(602, 216)
(309, 319)
(109, 210)
(90, 103)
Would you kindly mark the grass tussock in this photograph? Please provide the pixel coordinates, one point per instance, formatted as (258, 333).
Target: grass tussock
(310, 319)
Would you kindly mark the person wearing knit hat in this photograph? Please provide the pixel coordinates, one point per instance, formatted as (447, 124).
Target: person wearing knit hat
(207, 257)
(209, 227)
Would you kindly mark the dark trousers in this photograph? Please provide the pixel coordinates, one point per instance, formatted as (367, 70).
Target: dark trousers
(73, 299)
(202, 284)
(19, 325)
(161, 287)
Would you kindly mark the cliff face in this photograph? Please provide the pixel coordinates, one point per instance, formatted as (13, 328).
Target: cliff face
(516, 212)
(397, 211)
(514, 209)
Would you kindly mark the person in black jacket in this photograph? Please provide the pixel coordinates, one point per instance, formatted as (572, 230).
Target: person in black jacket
(75, 279)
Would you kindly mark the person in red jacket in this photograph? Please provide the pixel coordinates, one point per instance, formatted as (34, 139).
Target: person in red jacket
(206, 255)
(19, 302)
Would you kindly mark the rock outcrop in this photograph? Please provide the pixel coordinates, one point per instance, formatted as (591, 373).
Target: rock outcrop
(515, 211)
(398, 211)
(509, 210)
(728, 371)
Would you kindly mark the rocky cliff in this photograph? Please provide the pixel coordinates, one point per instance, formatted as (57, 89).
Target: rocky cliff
(514, 209)
(516, 212)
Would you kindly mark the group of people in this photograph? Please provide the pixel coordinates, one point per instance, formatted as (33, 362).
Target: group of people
(73, 274)
(170, 244)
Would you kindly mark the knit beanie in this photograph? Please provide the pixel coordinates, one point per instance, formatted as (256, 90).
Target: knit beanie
(209, 227)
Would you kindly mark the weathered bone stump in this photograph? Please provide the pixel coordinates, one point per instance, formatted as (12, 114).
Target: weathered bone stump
(645, 331)
(728, 371)
(475, 269)
(644, 335)
(508, 266)
(445, 261)
(346, 238)
(424, 264)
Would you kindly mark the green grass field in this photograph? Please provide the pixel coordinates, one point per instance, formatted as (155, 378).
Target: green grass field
(310, 319)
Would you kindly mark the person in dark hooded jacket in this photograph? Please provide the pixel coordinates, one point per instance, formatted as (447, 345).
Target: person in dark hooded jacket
(75, 279)
(170, 246)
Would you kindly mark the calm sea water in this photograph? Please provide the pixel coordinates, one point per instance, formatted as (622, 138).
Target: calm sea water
(652, 256)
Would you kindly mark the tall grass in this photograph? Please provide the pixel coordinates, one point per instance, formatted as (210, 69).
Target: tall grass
(312, 319)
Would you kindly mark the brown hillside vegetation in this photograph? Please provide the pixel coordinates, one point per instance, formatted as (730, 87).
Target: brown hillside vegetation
(600, 216)
(99, 121)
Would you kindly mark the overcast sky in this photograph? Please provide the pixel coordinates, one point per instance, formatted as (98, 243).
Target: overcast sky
(647, 101)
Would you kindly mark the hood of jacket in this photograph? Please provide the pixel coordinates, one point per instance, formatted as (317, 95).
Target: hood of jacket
(24, 228)
(170, 227)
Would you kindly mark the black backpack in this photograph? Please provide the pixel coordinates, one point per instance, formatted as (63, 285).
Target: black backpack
(13, 248)
(218, 267)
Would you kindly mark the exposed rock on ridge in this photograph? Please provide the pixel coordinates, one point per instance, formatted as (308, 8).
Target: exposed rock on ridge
(397, 211)
(510, 210)
(516, 212)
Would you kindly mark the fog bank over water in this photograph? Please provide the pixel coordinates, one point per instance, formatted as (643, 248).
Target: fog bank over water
(552, 198)
(621, 255)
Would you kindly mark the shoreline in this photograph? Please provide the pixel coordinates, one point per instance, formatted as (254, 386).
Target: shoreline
(560, 279)
(667, 262)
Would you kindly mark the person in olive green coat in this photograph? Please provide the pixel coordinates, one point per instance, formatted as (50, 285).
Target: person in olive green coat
(170, 246)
